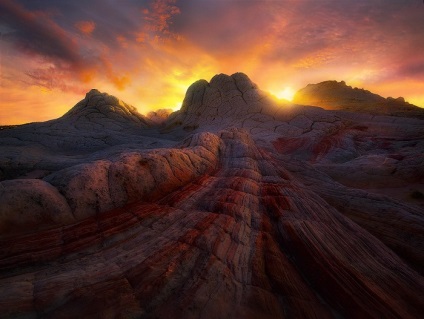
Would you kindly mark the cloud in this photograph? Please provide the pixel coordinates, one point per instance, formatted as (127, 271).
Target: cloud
(149, 51)
(158, 16)
(224, 27)
(157, 21)
(52, 78)
(85, 27)
(36, 33)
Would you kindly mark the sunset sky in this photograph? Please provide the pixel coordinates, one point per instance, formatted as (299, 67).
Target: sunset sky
(147, 52)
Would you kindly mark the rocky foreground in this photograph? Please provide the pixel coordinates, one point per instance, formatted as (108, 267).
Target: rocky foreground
(237, 206)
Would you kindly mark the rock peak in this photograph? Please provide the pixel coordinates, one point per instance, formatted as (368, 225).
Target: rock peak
(94, 92)
(98, 106)
(224, 98)
(240, 80)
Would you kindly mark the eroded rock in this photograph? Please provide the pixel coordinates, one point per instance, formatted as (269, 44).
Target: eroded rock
(245, 208)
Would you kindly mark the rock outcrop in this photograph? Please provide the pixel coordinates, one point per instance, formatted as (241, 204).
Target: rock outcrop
(99, 126)
(244, 208)
(219, 103)
(103, 110)
(333, 95)
(159, 116)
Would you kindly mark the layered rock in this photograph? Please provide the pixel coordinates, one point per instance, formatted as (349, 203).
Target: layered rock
(268, 211)
(84, 190)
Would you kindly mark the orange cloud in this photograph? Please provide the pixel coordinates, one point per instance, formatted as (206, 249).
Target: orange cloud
(86, 27)
(156, 48)
(157, 21)
(160, 14)
(122, 41)
(120, 82)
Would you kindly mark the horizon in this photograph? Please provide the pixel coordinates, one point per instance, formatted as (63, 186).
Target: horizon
(149, 52)
(287, 94)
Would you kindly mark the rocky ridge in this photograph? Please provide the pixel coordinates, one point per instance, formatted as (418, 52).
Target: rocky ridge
(246, 208)
(103, 110)
(335, 95)
(99, 126)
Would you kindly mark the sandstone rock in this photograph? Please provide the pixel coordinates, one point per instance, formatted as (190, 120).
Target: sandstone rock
(99, 123)
(220, 103)
(97, 107)
(335, 95)
(236, 207)
(31, 205)
(159, 116)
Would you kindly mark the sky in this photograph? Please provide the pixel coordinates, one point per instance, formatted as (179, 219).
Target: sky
(147, 52)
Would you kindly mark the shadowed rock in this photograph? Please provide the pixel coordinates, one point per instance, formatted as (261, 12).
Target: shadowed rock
(102, 109)
(244, 209)
(335, 95)
(159, 116)
(97, 127)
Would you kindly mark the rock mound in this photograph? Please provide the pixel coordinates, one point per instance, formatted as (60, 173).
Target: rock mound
(103, 109)
(159, 116)
(85, 190)
(220, 102)
(236, 207)
(98, 122)
(245, 237)
(333, 95)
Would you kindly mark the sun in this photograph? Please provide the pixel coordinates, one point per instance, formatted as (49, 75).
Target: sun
(176, 107)
(287, 93)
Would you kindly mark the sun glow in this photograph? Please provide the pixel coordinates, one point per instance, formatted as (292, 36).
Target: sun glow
(176, 107)
(287, 93)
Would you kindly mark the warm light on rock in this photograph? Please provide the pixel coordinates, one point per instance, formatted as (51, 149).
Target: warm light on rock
(287, 94)
(231, 207)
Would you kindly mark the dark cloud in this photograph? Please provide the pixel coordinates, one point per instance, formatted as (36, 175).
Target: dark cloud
(114, 19)
(141, 47)
(35, 32)
(293, 30)
(410, 69)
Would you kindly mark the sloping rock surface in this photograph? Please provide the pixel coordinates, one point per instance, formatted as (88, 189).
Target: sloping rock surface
(159, 116)
(246, 209)
(99, 126)
(335, 95)
(103, 110)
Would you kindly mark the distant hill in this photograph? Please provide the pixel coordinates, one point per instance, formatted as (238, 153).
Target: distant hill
(333, 95)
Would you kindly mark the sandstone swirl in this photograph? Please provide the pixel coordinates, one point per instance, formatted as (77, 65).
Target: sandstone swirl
(237, 206)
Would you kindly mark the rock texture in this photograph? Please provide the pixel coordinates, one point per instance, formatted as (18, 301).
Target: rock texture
(100, 110)
(244, 209)
(98, 127)
(159, 116)
(335, 95)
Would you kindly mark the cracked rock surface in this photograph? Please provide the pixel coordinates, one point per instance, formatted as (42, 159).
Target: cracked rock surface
(236, 207)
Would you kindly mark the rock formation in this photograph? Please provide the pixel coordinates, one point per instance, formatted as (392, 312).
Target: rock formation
(159, 116)
(335, 95)
(100, 110)
(235, 207)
